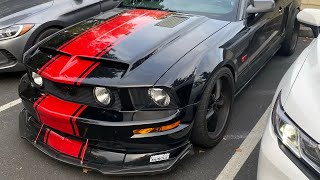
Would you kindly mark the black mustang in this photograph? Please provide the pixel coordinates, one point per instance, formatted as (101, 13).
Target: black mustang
(128, 91)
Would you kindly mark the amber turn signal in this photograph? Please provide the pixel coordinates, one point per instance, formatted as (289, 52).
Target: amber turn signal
(25, 29)
(157, 129)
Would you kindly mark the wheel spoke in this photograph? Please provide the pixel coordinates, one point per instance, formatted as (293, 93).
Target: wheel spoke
(210, 114)
(218, 88)
(212, 123)
(216, 101)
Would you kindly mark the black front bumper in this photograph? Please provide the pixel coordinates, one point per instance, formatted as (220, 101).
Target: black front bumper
(110, 145)
(102, 160)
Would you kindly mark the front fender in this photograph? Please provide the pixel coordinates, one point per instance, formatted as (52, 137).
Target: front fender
(189, 76)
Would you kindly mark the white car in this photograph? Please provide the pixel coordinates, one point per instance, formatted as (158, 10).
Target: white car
(290, 145)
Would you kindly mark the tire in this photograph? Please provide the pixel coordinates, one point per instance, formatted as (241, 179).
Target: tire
(202, 133)
(44, 34)
(291, 40)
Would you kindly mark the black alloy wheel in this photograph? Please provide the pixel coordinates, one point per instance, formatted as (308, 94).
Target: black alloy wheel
(214, 110)
(218, 108)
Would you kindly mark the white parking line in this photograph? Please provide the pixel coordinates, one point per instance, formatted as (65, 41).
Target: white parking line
(239, 158)
(10, 104)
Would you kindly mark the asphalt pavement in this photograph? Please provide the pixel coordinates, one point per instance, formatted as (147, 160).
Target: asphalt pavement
(20, 160)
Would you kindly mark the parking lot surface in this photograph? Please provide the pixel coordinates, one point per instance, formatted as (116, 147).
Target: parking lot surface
(20, 160)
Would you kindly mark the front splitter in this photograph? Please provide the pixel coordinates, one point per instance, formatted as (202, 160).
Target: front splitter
(105, 161)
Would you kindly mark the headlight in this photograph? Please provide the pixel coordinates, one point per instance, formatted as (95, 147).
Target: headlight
(159, 96)
(304, 147)
(14, 31)
(103, 96)
(154, 98)
(37, 79)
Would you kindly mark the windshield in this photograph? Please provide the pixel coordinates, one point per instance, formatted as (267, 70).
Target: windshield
(220, 9)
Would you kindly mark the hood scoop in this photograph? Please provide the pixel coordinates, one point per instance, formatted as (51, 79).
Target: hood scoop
(172, 21)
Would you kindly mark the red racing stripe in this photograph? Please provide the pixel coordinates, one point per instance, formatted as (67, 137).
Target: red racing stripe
(103, 38)
(36, 104)
(153, 15)
(83, 151)
(108, 48)
(48, 63)
(58, 114)
(64, 145)
(45, 138)
(94, 41)
(72, 40)
(85, 32)
(67, 70)
(74, 119)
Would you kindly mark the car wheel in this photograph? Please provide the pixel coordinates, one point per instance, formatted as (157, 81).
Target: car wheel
(214, 110)
(291, 40)
(46, 33)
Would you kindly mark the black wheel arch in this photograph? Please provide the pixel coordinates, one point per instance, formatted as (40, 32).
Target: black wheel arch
(196, 95)
(228, 64)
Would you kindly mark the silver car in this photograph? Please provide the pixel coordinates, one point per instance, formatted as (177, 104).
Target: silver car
(290, 146)
(23, 23)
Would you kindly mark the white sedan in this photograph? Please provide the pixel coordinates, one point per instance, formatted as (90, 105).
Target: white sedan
(290, 145)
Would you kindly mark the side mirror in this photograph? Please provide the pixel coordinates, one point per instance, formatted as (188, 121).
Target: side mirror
(310, 18)
(261, 6)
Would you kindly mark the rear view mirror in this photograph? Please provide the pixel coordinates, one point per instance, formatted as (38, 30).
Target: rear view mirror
(310, 18)
(261, 6)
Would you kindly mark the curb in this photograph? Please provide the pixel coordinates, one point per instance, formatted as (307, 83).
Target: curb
(305, 32)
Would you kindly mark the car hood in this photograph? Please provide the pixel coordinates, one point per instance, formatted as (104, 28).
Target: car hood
(13, 11)
(121, 47)
(302, 103)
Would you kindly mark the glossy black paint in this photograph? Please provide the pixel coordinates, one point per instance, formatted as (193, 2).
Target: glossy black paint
(109, 125)
(108, 157)
(256, 37)
(181, 58)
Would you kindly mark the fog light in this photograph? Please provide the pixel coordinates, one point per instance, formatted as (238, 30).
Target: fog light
(157, 129)
(37, 79)
(159, 96)
(103, 96)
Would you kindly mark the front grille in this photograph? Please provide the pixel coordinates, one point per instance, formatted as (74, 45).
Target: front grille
(69, 92)
(172, 21)
(78, 94)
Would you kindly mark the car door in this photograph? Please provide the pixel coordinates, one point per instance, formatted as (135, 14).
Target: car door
(258, 41)
(84, 9)
(268, 28)
(109, 4)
